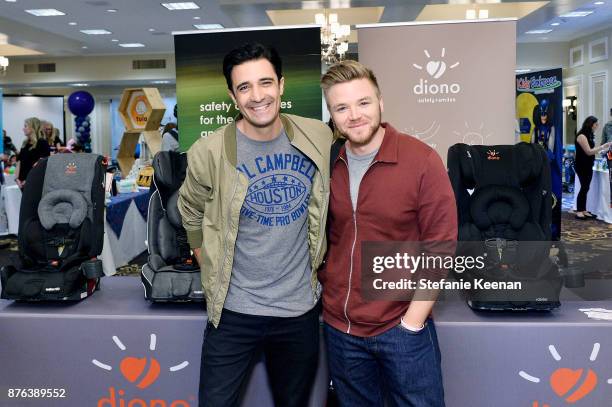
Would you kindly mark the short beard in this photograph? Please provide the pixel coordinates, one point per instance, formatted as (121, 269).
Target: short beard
(373, 129)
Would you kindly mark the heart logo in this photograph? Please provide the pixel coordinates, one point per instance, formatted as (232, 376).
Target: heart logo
(436, 68)
(563, 380)
(132, 368)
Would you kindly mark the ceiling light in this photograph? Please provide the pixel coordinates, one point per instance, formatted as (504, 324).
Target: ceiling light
(160, 82)
(538, 32)
(111, 10)
(132, 45)
(208, 26)
(11, 1)
(80, 84)
(522, 70)
(555, 24)
(197, 18)
(84, 47)
(115, 40)
(45, 12)
(599, 3)
(181, 6)
(575, 14)
(96, 32)
(72, 23)
(151, 29)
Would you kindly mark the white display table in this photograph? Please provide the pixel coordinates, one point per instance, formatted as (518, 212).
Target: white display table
(598, 198)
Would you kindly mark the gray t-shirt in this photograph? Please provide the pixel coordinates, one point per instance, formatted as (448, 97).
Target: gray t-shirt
(358, 165)
(272, 270)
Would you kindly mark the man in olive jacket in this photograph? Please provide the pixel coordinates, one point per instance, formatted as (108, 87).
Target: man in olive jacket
(254, 204)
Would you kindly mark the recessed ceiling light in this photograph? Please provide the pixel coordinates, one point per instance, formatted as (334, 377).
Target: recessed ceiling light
(45, 12)
(115, 40)
(80, 84)
(555, 24)
(84, 47)
(599, 3)
(197, 18)
(208, 26)
(189, 5)
(132, 45)
(522, 70)
(72, 23)
(538, 32)
(160, 82)
(151, 29)
(544, 38)
(111, 10)
(11, 1)
(96, 32)
(575, 14)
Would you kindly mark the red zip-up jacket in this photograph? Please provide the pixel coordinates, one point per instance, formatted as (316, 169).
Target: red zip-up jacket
(405, 195)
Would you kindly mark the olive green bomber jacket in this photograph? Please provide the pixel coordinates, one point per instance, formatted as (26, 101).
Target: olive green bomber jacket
(214, 190)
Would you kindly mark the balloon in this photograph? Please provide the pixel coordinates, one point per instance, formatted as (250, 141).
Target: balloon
(77, 134)
(81, 103)
(85, 124)
(81, 129)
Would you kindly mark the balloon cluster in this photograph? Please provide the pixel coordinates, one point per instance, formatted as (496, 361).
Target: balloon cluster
(81, 104)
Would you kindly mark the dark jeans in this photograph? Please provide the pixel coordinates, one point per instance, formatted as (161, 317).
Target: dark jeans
(585, 175)
(229, 353)
(395, 368)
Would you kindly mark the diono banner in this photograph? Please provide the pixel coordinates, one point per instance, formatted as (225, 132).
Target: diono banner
(203, 102)
(539, 113)
(445, 83)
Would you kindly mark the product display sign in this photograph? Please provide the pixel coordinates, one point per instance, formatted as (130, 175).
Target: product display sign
(539, 114)
(202, 95)
(445, 83)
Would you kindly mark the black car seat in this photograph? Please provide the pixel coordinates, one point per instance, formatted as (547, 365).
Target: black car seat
(61, 231)
(171, 272)
(504, 205)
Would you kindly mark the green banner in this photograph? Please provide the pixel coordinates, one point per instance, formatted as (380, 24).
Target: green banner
(201, 90)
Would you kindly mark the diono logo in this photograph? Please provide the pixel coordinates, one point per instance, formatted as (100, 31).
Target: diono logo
(571, 385)
(436, 69)
(142, 372)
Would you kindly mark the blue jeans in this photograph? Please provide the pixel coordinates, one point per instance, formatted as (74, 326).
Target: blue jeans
(395, 368)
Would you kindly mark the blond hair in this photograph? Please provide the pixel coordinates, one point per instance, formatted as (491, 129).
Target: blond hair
(34, 124)
(346, 71)
(50, 137)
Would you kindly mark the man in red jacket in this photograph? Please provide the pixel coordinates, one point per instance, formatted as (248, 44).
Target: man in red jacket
(385, 186)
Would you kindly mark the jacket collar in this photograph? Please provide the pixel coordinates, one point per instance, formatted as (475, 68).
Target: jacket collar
(229, 135)
(387, 152)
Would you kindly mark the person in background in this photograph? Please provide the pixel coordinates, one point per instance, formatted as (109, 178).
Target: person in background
(51, 135)
(606, 134)
(8, 146)
(585, 158)
(170, 137)
(33, 149)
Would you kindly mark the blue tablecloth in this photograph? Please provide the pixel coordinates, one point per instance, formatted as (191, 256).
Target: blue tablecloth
(119, 205)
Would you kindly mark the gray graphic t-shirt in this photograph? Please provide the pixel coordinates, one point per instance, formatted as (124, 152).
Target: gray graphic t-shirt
(271, 271)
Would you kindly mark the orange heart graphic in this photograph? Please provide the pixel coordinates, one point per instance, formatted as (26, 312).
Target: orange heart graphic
(563, 380)
(132, 368)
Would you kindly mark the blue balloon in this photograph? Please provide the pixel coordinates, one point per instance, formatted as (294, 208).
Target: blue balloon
(77, 134)
(81, 103)
(81, 129)
(85, 124)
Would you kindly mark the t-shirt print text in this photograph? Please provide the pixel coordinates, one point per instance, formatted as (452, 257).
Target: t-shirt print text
(277, 194)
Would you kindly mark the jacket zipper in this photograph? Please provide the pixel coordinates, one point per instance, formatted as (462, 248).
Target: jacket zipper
(321, 231)
(348, 293)
(229, 210)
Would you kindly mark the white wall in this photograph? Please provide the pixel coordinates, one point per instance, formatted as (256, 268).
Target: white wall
(16, 109)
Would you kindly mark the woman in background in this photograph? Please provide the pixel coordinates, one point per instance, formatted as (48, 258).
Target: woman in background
(585, 158)
(33, 149)
(51, 135)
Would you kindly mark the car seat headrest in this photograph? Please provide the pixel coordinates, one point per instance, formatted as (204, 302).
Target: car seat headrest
(74, 172)
(499, 205)
(516, 165)
(169, 169)
(62, 206)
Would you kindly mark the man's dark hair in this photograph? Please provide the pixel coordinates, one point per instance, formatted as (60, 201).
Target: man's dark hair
(249, 52)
